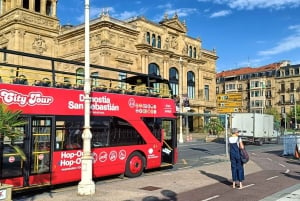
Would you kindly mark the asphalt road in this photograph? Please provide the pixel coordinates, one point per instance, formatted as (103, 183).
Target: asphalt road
(278, 173)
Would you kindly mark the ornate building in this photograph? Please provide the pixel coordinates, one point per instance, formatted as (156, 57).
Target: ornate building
(136, 44)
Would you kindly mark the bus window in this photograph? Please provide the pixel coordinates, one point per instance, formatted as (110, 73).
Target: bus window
(69, 133)
(123, 133)
(154, 124)
(41, 132)
(12, 163)
(100, 131)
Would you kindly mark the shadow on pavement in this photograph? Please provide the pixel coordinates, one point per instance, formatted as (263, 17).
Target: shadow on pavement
(219, 178)
(170, 196)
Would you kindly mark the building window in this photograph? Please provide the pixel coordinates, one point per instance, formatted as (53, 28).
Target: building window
(26, 4)
(153, 40)
(282, 99)
(80, 76)
(230, 86)
(153, 69)
(282, 87)
(173, 79)
(190, 85)
(206, 92)
(158, 42)
(37, 6)
(122, 76)
(292, 86)
(148, 37)
(49, 8)
(190, 51)
(292, 98)
(194, 53)
(95, 79)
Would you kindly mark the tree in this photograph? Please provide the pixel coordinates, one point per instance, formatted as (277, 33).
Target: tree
(10, 121)
(214, 126)
(275, 113)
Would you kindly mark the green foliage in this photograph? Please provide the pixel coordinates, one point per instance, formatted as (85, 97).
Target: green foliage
(214, 126)
(275, 113)
(10, 121)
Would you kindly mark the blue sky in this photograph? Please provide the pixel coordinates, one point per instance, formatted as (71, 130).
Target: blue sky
(243, 32)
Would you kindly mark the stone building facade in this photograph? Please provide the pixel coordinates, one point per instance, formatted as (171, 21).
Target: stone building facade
(275, 86)
(136, 44)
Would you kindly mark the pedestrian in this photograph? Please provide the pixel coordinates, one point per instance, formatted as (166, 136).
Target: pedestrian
(237, 168)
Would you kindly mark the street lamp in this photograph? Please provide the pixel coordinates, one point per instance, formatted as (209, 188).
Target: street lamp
(87, 186)
(180, 100)
(295, 108)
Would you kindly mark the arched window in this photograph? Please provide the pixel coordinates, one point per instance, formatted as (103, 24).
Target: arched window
(158, 42)
(153, 40)
(79, 76)
(95, 79)
(174, 81)
(148, 37)
(194, 53)
(191, 84)
(190, 51)
(153, 69)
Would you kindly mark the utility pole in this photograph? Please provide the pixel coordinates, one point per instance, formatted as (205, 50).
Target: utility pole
(295, 108)
(87, 186)
(180, 100)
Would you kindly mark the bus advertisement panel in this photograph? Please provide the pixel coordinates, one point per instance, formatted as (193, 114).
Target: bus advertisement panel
(54, 101)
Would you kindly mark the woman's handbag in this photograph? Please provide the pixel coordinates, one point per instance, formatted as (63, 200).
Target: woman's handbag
(244, 155)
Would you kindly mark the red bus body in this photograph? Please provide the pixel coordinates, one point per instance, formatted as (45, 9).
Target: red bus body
(37, 102)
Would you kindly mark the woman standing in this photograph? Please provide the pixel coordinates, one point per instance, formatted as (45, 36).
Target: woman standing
(237, 169)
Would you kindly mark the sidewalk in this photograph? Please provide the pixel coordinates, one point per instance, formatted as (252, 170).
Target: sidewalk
(151, 187)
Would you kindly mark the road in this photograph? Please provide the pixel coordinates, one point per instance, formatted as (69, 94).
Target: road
(277, 173)
(195, 175)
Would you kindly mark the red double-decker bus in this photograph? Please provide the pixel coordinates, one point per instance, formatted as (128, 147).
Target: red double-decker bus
(133, 122)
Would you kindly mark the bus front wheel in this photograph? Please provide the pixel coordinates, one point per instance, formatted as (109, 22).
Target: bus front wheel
(135, 165)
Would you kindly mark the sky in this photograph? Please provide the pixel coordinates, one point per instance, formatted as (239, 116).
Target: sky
(243, 32)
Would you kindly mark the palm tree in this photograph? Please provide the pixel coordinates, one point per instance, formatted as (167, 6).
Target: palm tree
(10, 121)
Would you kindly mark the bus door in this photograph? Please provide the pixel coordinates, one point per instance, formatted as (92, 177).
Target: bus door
(39, 155)
(35, 145)
(11, 162)
(169, 141)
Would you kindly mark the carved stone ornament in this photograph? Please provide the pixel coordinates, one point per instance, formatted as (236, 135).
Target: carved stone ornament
(39, 45)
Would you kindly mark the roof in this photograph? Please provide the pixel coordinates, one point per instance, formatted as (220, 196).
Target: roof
(248, 70)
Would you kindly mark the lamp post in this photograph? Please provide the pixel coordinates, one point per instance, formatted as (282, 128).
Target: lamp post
(295, 108)
(180, 100)
(86, 186)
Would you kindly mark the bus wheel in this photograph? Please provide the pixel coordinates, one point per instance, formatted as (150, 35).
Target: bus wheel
(135, 165)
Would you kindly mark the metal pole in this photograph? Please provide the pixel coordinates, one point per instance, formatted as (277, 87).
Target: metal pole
(180, 101)
(226, 135)
(295, 108)
(86, 186)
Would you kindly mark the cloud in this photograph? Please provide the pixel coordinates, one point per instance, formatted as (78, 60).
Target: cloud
(252, 4)
(286, 44)
(221, 13)
(94, 12)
